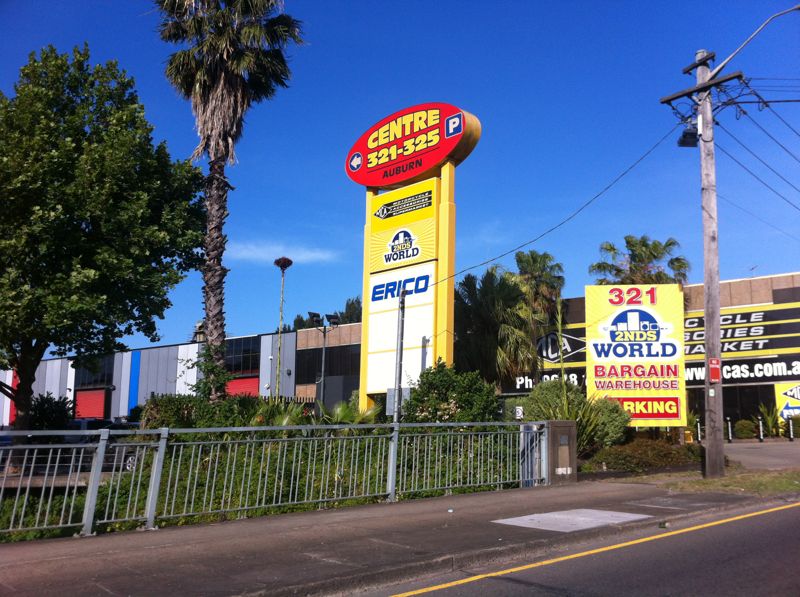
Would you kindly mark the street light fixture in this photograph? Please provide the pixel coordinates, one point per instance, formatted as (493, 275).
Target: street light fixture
(283, 263)
(332, 323)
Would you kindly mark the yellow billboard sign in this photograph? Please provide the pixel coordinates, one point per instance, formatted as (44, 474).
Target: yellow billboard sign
(634, 351)
(409, 240)
(407, 163)
(403, 224)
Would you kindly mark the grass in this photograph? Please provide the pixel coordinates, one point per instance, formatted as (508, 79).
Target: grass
(736, 480)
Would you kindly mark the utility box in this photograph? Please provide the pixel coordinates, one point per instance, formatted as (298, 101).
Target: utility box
(562, 452)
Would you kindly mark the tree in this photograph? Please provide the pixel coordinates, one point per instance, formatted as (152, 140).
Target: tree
(98, 223)
(491, 336)
(642, 262)
(351, 314)
(235, 59)
(541, 279)
(352, 311)
(299, 323)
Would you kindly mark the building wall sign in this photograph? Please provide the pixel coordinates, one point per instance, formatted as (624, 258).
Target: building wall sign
(634, 351)
(747, 331)
(787, 399)
(411, 144)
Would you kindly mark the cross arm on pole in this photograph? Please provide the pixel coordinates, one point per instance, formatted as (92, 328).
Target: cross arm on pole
(702, 87)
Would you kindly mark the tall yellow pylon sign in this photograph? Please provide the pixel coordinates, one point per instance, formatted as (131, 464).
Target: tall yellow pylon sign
(407, 162)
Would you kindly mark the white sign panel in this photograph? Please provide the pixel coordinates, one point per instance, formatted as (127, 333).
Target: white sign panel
(384, 293)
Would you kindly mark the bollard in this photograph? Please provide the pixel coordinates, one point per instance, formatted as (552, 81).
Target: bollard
(791, 429)
(760, 429)
(730, 434)
(699, 438)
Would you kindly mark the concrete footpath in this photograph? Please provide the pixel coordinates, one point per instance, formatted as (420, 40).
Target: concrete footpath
(334, 550)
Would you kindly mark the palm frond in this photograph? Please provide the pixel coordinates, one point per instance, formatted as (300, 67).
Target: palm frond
(236, 58)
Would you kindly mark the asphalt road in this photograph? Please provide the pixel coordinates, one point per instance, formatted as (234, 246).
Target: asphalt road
(753, 556)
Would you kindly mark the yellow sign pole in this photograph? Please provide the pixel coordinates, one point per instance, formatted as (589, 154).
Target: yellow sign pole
(364, 401)
(446, 251)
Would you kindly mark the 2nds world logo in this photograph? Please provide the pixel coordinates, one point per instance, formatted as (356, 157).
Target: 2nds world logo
(401, 247)
(635, 333)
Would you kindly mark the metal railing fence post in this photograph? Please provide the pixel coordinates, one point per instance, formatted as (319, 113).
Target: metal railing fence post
(730, 431)
(94, 483)
(699, 433)
(529, 455)
(155, 479)
(521, 455)
(391, 467)
(544, 449)
(790, 423)
(760, 429)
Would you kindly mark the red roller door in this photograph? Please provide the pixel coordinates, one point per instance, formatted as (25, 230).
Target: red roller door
(243, 385)
(90, 404)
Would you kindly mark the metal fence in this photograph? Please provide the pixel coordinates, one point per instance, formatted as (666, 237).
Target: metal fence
(92, 479)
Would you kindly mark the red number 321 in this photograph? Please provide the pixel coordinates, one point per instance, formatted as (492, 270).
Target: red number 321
(631, 296)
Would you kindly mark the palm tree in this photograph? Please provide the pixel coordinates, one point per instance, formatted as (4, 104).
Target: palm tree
(641, 262)
(235, 58)
(491, 334)
(541, 279)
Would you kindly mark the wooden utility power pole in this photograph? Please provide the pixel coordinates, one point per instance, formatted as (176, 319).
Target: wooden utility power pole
(701, 93)
(714, 442)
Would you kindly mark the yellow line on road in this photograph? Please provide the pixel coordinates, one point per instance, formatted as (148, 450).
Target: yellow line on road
(592, 552)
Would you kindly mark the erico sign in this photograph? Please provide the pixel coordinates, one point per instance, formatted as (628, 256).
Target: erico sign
(414, 285)
(411, 144)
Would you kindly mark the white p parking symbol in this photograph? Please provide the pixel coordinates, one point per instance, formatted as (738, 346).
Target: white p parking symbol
(453, 125)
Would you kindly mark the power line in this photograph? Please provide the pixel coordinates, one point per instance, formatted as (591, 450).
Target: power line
(783, 101)
(758, 178)
(759, 218)
(573, 214)
(752, 153)
(767, 133)
(778, 116)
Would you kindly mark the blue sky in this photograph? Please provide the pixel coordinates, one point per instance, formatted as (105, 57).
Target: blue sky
(567, 93)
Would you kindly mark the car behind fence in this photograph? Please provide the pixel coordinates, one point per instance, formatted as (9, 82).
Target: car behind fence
(93, 480)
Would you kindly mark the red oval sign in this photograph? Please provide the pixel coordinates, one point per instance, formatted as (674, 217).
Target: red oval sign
(411, 144)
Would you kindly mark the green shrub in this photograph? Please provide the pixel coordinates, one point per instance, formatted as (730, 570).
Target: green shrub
(443, 395)
(174, 410)
(185, 411)
(770, 420)
(691, 424)
(613, 426)
(642, 455)
(599, 423)
(234, 411)
(49, 412)
(795, 426)
(135, 415)
(744, 429)
(348, 413)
